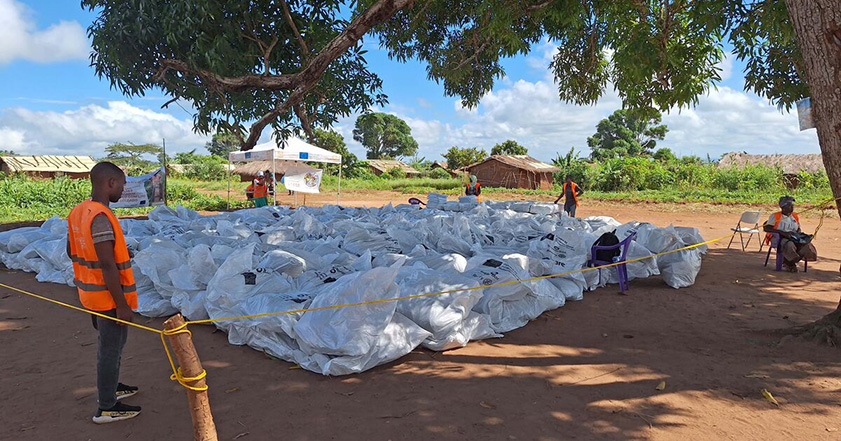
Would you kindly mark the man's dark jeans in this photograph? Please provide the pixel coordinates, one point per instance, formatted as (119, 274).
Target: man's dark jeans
(570, 208)
(112, 339)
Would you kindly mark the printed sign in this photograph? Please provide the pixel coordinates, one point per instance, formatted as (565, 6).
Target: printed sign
(143, 191)
(804, 114)
(305, 181)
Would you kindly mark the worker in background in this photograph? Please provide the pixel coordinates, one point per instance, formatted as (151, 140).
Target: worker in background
(103, 276)
(271, 183)
(473, 188)
(794, 244)
(257, 191)
(571, 191)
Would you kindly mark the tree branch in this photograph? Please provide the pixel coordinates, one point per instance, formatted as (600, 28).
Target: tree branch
(301, 113)
(288, 14)
(307, 79)
(166, 104)
(227, 84)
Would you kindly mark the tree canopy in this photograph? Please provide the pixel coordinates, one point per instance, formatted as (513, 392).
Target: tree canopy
(334, 142)
(459, 157)
(385, 136)
(627, 133)
(301, 65)
(222, 143)
(7, 153)
(509, 147)
(134, 156)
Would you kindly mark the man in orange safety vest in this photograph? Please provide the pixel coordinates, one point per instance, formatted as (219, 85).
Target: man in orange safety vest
(105, 281)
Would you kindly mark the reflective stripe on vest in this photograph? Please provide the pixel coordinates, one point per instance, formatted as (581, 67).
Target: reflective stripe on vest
(87, 268)
(778, 217)
(574, 195)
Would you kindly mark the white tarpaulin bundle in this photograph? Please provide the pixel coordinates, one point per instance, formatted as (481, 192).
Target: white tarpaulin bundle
(274, 259)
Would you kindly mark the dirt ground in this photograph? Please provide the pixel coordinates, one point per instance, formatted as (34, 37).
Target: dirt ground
(587, 371)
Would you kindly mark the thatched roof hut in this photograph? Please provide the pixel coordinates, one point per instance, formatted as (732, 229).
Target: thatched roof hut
(789, 164)
(513, 171)
(443, 166)
(248, 170)
(48, 166)
(380, 166)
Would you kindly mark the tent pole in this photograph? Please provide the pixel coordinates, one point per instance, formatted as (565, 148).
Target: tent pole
(229, 182)
(339, 190)
(274, 173)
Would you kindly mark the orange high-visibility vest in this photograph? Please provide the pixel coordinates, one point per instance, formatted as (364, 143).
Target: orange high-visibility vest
(778, 217)
(87, 269)
(574, 194)
(258, 190)
(473, 191)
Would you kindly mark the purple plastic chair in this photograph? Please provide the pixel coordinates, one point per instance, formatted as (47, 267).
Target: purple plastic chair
(621, 270)
(775, 239)
(416, 201)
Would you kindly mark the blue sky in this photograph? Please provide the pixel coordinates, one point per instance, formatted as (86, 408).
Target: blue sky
(51, 102)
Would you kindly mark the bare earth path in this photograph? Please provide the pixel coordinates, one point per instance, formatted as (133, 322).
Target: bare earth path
(587, 371)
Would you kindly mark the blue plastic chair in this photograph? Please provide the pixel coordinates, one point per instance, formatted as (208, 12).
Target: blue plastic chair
(775, 240)
(621, 269)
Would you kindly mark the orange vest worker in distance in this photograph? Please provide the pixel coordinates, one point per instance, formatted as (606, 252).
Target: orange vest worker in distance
(103, 276)
(571, 191)
(473, 188)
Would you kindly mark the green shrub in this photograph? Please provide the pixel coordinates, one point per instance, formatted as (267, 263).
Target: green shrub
(439, 173)
(395, 173)
(206, 168)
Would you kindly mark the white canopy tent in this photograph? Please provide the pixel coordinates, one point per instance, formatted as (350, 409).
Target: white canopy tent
(294, 150)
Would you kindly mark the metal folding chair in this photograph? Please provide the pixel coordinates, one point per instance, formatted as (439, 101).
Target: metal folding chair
(748, 224)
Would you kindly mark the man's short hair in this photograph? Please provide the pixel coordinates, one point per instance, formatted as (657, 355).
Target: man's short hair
(105, 170)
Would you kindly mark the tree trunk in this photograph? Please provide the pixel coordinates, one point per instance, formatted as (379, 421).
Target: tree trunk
(817, 25)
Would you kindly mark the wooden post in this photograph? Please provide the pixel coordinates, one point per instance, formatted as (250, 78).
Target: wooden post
(182, 345)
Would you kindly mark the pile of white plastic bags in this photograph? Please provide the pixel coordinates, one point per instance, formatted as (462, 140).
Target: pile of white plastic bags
(275, 259)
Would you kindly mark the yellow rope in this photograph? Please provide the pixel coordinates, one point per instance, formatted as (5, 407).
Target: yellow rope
(440, 293)
(87, 311)
(177, 374)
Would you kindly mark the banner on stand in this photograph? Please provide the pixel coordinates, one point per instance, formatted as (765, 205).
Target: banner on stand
(303, 181)
(143, 191)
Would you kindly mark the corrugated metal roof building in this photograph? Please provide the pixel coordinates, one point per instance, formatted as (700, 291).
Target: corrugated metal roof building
(48, 166)
(513, 171)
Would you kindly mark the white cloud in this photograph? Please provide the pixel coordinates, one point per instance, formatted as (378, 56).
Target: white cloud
(726, 66)
(532, 114)
(89, 129)
(425, 103)
(65, 40)
(730, 120)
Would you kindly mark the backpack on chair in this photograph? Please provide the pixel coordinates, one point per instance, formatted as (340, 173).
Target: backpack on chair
(606, 240)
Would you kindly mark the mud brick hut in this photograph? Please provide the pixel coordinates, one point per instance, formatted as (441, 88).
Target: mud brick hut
(48, 166)
(513, 171)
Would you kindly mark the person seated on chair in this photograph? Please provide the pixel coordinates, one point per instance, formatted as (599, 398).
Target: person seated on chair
(786, 223)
